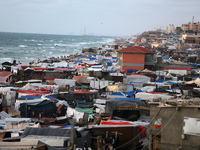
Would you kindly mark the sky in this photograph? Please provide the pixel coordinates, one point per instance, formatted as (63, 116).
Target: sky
(99, 17)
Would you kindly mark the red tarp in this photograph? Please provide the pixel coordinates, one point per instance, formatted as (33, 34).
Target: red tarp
(63, 69)
(115, 123)
(142, 129)
(42, 69)
(32, 92)
(82, 92)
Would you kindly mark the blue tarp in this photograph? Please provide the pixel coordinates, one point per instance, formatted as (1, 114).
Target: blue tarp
(78, 61)
(91, 58)
(51, 97)
(117, 93)
(128, 99)
(23, 96)
(160, 80)
(109, 63)
(138, 90)
(129, 70)
(130, 93)
(170, 82)
(194, 65)
(96, 67)
(165, 57)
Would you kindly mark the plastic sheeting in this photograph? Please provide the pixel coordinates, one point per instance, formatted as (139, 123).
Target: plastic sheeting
(60, 82)
(72, 113)
(98, 84)
(45, 105)
(137, 78)
(150, 97)
(113, 105)
(85, 110)
(179, 72)
(192, 126)
(148, 88)
(120, 88)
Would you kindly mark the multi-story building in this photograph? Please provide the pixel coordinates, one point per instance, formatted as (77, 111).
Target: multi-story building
(191, 26)
(135, 57)
(170, 29)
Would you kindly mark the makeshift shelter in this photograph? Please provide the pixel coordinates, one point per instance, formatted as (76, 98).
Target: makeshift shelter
(69, 82)
(120, 88)
(46, 107)
(5, 77)
(137, 79)
(50, 136)
(114, 104)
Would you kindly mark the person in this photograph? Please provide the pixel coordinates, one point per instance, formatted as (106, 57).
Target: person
(33, 113)
(107, 141)
(40, 115)
(29, 112)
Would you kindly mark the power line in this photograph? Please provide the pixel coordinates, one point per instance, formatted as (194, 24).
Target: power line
(140, 132)
(159, 131)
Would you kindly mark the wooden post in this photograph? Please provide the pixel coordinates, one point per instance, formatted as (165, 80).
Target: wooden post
(99, 143)
(72, 138)
(26, 107)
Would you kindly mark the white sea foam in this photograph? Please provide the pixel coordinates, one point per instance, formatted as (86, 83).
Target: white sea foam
(23, 46)
(6, 59)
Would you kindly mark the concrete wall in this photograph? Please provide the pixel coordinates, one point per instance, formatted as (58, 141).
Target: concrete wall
(171, 131)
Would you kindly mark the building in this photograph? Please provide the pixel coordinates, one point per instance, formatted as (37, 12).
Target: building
(192, 39)
(174, 125)
(170, 29)
(191, 26)
(135, 57)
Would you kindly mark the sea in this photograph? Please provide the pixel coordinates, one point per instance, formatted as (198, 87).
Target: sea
(26, 47)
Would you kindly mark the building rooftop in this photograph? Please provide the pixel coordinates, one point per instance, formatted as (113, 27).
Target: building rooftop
(135, 49)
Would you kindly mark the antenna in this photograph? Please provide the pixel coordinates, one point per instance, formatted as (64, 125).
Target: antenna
(193, 23)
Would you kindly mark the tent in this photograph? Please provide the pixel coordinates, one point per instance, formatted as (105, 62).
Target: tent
(159, 80)
(46, 106)
(4, 76)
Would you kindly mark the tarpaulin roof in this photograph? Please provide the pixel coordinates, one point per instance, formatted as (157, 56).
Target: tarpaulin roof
(46, 105)
(115, 123)
(114, 104)
(4, 75)
(159, 80)
(165, 57)
(128, 99)
(86, 110)
(135, 49)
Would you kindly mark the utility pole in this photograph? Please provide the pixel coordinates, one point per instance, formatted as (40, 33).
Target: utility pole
(72, 138)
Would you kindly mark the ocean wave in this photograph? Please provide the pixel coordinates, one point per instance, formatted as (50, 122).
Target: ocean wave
(6, 59)
(61, 45)
(22, 46)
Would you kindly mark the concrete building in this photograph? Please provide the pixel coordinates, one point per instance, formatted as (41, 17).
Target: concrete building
(170, 29)
(174, 126)
(191, 26)
(192, 39)
(135, 57)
